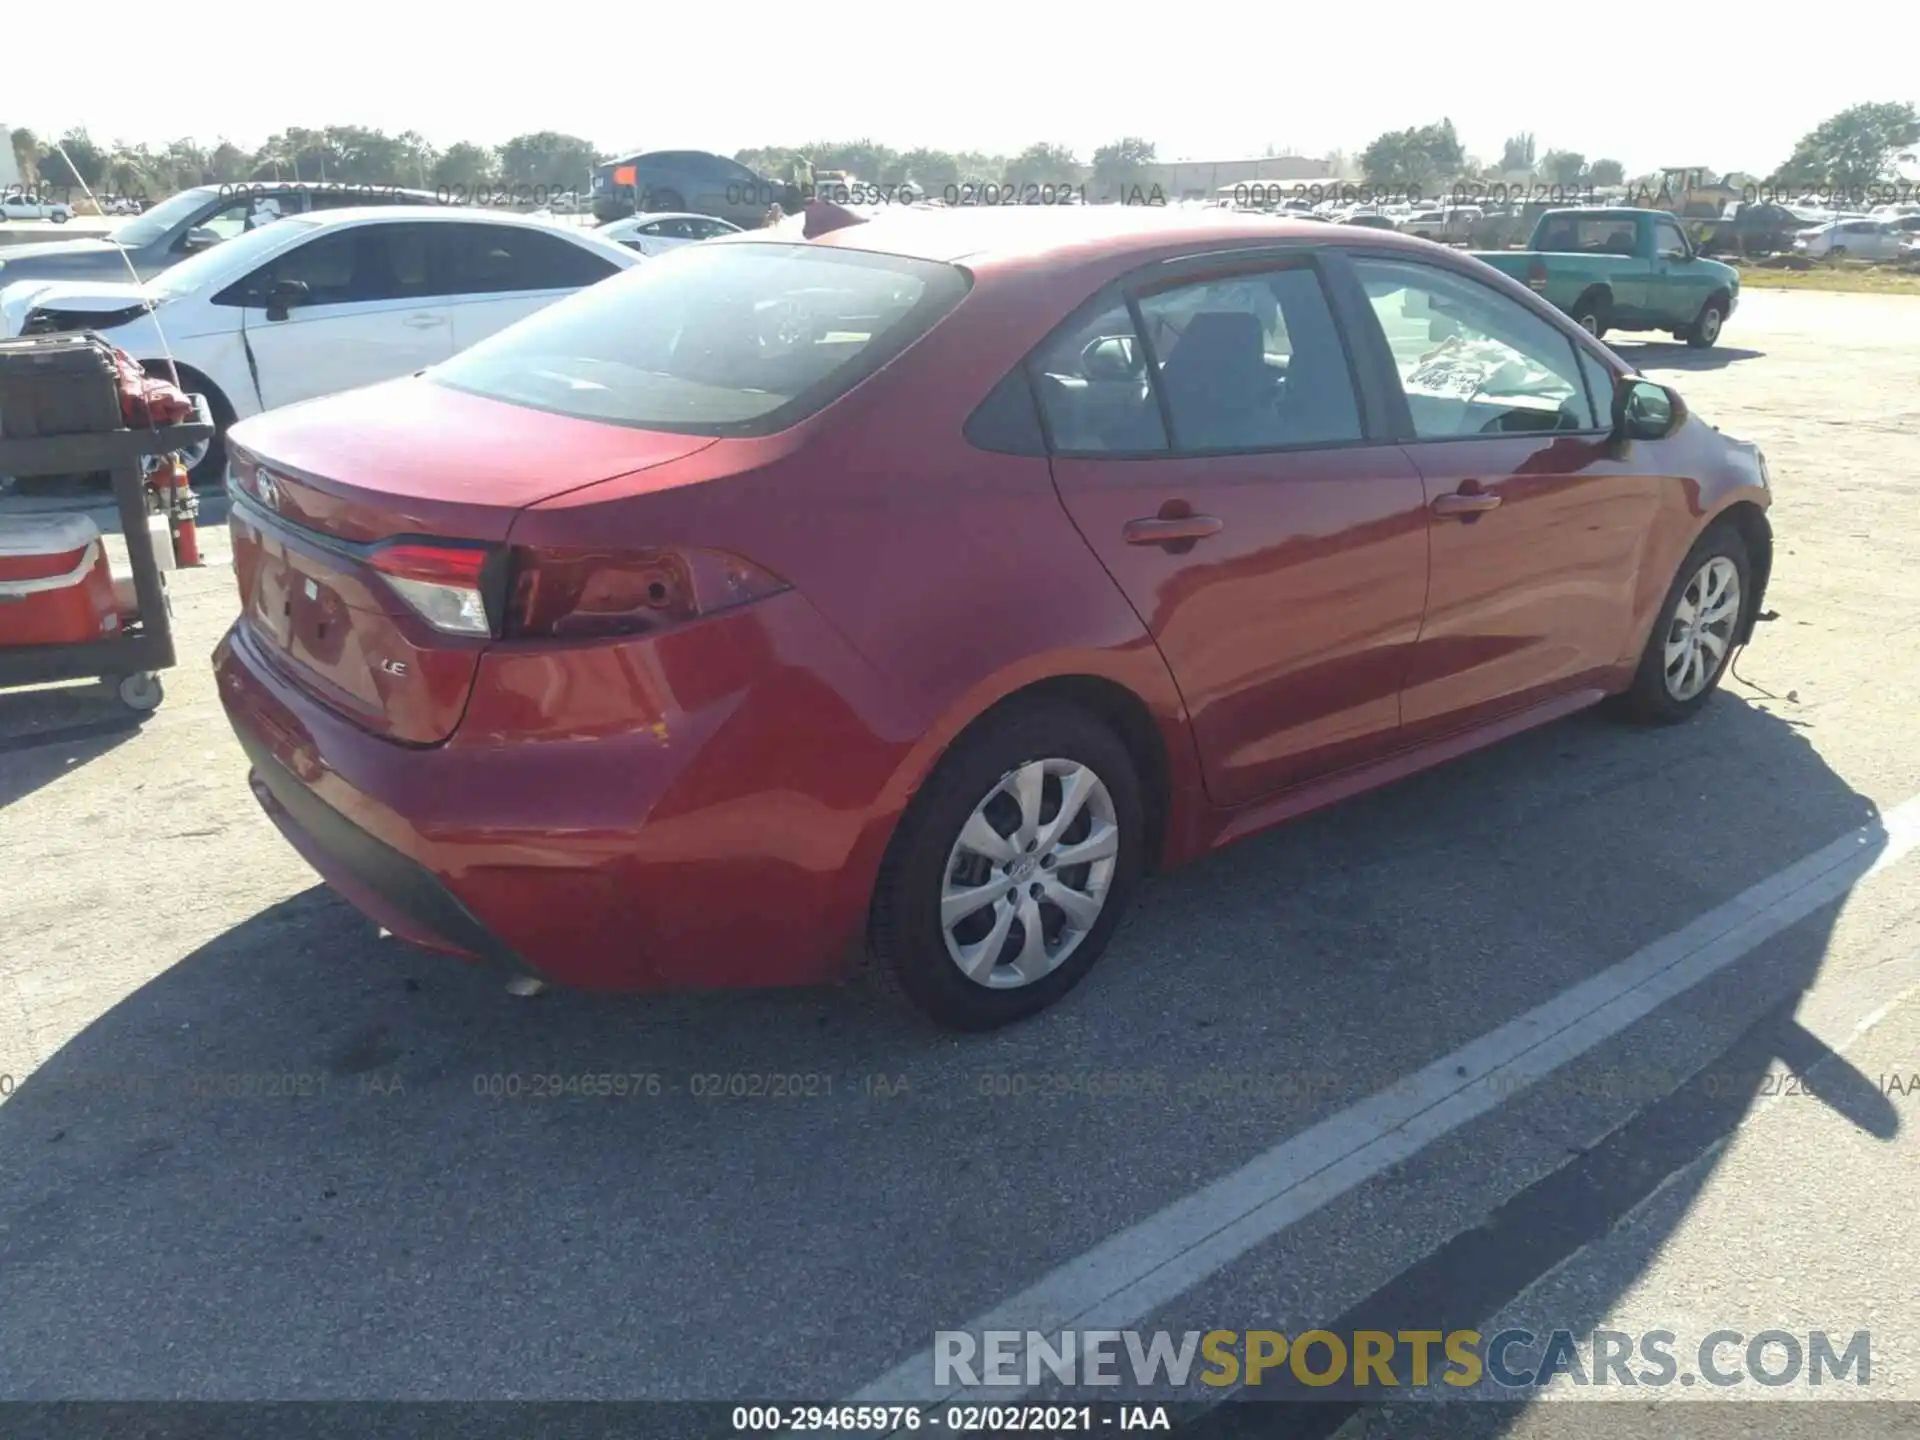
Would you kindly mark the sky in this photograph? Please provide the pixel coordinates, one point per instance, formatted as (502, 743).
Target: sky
(1664, 83)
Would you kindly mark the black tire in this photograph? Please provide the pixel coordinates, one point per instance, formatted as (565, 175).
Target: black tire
(665, 200)
(1590, 314)
(1648, 701)
(1704, 333)
(210, 471)
(1838, 252)
(908, 940)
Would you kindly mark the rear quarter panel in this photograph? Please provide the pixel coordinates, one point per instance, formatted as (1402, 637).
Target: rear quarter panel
(955, 574)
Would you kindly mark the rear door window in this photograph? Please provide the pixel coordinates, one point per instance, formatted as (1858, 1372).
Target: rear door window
(497, 259)
(1094, 390)
(1251, 363)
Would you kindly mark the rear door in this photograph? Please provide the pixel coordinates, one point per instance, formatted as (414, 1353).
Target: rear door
(1211, 446)
(1537, 523)
(370, 313)
(489, 276)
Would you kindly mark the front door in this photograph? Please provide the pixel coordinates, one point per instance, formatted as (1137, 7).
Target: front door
(1272, 543)
(1537, 523)
(369, 313)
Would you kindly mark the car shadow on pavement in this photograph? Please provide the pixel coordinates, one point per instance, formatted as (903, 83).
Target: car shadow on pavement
(308, 1162)
(1665, 355)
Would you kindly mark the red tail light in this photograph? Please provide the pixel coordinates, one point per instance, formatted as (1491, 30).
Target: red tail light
(444, 585)
(583, 594)
(1537, 274)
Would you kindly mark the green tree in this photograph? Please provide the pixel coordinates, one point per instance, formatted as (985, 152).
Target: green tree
(1606, 172)
(416, 159)
(1043, 164)
(979, 168)
(1855, 148)
(26, 154)
(82, 163)
(931, 170)
(1518, 153)
(547, 158)
(228, 164)
(1121, 168)
(1422, 157)
(1562, 167)
(465, 167)
(771, 162)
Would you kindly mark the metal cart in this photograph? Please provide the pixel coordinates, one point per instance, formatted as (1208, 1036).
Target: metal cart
(132, 660)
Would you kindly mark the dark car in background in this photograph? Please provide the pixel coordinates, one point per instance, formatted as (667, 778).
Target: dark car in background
(694, 181)
(1760, 228)
(189, 222)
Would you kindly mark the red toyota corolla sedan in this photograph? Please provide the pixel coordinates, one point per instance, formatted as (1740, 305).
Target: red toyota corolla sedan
(920, 584)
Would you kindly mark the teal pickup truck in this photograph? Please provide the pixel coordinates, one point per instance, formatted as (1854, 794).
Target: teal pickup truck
(1624, 270)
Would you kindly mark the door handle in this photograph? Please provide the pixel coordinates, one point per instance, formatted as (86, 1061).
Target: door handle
(424, 322)
(1464, 503)
(1172, 530)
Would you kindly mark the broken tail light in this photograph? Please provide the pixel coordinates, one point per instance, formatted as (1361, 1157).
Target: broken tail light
(445, 585)
(569, 593)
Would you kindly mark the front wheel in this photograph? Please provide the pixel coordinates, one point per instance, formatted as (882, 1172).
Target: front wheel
(1692, 641)
(1012, 867)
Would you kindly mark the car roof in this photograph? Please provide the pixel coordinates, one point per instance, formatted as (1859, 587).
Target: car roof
(645, 216)
(992, 236)
(343, 187)
(435, 214)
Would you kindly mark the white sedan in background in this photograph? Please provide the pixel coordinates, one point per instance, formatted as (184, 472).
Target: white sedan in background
(16, 206)
(658, 232)
(318, 303)
(1857, 238)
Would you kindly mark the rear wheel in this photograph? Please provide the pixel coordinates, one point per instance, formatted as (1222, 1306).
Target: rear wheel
(1590, 314)
(1705, 330)
(666, 200)
(1692, 641)
(1012, 867)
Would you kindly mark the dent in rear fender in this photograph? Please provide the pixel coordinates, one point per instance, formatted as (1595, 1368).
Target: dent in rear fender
(720, 778)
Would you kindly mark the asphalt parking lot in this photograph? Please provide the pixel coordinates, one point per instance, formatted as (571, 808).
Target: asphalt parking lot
(1196, 1139)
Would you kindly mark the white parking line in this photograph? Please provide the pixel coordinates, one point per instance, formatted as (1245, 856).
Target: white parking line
(1129, 1275)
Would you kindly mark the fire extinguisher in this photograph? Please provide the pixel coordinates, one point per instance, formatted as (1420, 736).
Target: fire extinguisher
(180, 505)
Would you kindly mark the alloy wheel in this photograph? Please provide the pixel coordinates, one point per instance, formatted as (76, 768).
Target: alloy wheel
(1702, 627)
(1030, 873)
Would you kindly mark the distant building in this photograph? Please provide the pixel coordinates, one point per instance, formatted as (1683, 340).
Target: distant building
(1204, 179)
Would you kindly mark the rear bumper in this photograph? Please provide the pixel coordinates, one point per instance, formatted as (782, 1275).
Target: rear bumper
(729, 843)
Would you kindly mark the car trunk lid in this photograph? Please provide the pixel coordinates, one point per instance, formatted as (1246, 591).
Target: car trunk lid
(330, 493)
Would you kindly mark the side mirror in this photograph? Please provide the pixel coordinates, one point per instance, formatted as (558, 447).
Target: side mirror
(1442, 327)
(1112, 357)
(1643, 410)
(283, 295)
(1415, 304)
(199, 238)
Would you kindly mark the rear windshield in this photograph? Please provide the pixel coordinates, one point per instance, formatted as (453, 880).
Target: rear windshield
(734, 338)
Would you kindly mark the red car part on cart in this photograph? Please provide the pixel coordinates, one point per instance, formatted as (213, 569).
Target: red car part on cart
(55, 587)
